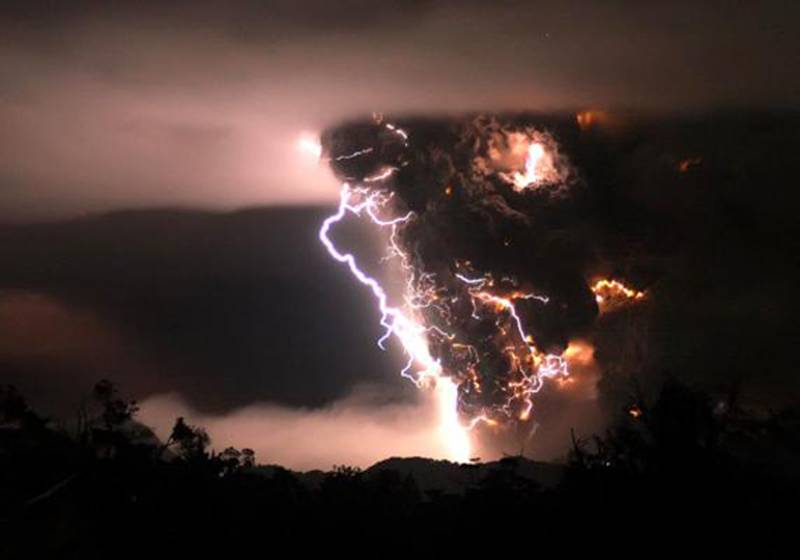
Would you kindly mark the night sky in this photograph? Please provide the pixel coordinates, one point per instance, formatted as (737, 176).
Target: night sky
(160, 225)
(108, 105)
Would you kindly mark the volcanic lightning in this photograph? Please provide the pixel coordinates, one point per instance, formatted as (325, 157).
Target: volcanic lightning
(489, 307)
(529, 176)
(398, 322)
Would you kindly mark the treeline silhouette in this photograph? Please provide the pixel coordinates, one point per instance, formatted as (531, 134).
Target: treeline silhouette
(111, 488)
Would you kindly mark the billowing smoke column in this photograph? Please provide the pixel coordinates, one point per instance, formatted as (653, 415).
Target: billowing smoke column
(481, 216)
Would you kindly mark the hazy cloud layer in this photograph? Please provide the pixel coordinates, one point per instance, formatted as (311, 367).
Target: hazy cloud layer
(201, 103)
(359, 430)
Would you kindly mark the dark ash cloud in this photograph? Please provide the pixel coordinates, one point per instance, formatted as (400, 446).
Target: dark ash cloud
(668, 206)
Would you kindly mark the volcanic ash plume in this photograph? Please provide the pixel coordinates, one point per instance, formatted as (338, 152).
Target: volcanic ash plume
(481, 217)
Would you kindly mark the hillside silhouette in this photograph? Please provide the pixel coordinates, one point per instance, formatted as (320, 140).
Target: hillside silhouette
(112, 488)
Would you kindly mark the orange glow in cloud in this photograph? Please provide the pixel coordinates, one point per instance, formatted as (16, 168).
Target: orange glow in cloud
(579, 353)
(590, 119)
(688, 163)
(613, 293)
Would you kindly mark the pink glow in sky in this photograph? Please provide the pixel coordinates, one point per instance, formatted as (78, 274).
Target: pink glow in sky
(103, 109)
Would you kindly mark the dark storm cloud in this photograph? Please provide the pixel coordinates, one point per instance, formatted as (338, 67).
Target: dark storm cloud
(254, 18)
(226, 309)
(93, 93)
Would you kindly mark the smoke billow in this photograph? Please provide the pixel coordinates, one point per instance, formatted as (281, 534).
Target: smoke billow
(501, 245)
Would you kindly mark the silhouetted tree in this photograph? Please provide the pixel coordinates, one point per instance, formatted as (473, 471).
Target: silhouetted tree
(114, 414)
(190, 441)
(232, 460)
(14, 410)
(115, 411)
(12, 404)
(248, 458)
(664, 462)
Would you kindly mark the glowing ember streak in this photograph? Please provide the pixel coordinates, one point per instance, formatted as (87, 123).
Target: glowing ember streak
(609, 293)
(385, 174)
(359, 153)
(530, 176)
(410, 333)
(686, 164)
(543, 365)
(399, 131)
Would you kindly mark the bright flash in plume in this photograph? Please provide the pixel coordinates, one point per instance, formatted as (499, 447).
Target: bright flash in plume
(529, 176)
(525, 159)
(454, 436)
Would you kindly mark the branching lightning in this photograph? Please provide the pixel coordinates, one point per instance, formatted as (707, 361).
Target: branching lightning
(399, 323)
(495, 356)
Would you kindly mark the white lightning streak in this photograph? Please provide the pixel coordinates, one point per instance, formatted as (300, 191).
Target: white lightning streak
(409, 332)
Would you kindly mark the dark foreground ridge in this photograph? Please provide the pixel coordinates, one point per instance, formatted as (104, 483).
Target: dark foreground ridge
(112, 488)
(433, 477)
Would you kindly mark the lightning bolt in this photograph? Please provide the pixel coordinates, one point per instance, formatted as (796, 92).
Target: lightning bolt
(411, 334)
(428, 296)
